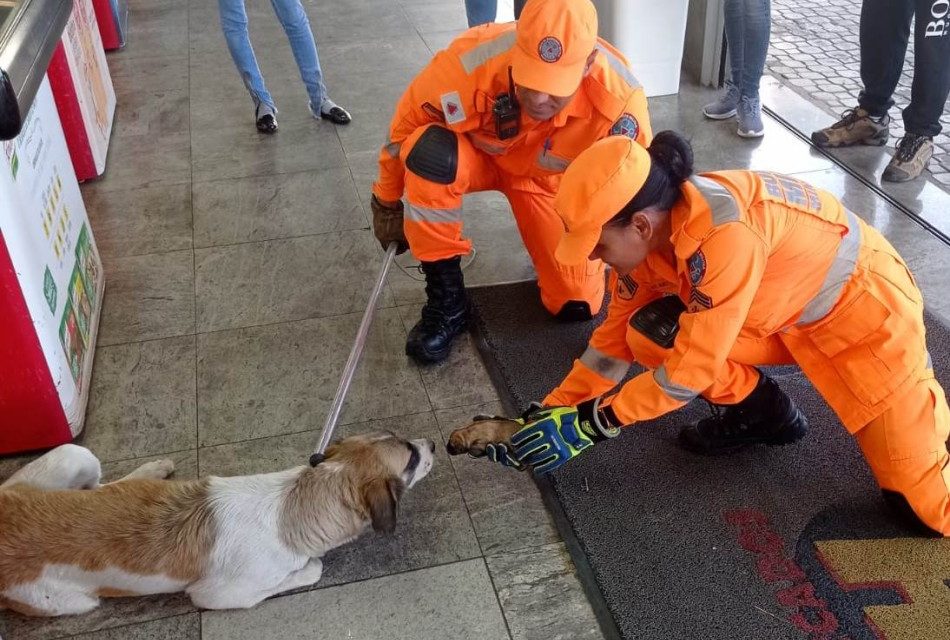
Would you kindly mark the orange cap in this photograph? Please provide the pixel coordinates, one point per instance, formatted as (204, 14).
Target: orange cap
(555, 37)
(600, 182)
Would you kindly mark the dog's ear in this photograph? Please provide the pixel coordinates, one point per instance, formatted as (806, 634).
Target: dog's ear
(382, 499)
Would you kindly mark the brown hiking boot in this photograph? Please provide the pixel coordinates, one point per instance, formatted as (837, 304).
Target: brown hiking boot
(911, 158)
(856, 126)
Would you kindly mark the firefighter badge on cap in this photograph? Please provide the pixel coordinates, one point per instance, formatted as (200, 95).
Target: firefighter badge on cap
(626, 125)
(550, 49)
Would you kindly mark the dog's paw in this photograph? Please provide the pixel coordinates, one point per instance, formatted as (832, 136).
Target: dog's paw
(157, 470)
(313, 571)
(473, 438)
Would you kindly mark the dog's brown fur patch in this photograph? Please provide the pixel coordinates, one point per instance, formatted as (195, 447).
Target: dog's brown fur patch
(473, 439)
(359, 480)
(146, 527)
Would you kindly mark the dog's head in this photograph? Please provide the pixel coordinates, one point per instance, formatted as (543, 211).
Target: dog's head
(383, 466)
(483, 430)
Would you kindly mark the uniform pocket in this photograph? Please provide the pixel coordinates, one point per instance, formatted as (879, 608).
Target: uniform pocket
(860, 342)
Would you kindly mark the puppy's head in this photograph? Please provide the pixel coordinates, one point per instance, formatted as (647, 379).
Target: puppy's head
(384, 466)
(483, 430)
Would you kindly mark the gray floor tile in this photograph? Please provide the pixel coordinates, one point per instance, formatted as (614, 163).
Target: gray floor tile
(158, 109)
(281, 280)
(459, 380)
(281, 379)
(219, 98)
(373, 55)
(499, 255)
(339, 22)
(506, 506)
(142, 161)
(541, 596)
(370, 127)
(132, 222)
(436, 17)
(237, 152)
(272, 207)
(716, 145)
(147, 297)
(454, 601)
(157, 28)
(187, 627)
(433, 527)
(142, 400)
(113, 613)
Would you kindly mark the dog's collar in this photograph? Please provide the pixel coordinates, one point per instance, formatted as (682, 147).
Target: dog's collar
(316, 459)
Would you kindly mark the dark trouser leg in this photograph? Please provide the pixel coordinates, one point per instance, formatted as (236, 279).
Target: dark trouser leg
(931, 68)
(885, 29)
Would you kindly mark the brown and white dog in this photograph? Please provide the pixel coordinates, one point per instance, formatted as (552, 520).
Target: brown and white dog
(66, 540)
(483, 430)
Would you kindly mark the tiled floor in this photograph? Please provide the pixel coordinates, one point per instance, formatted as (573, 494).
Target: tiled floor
(237, 269)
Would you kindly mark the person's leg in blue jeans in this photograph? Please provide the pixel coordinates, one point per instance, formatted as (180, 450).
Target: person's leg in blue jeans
(748, 28)
(480, 11)
(296, 25)
(234, 26)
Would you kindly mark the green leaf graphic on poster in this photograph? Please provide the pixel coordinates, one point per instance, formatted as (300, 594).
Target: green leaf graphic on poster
(72, 342)
(86, 264)
(49, 290)
(15, 164)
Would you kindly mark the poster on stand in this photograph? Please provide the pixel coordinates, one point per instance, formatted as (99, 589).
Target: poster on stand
(52, 250)
(93, 84)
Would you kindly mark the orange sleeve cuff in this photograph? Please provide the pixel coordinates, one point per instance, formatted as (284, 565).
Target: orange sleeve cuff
(642, 399)
(582, 383)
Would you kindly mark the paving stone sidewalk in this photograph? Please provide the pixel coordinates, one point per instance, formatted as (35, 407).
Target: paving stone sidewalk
(814, 49)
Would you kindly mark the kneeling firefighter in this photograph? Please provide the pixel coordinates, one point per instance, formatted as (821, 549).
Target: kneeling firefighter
(505, 107)
(718, 273)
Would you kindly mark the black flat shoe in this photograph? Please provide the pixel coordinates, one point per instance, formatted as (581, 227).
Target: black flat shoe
(337, 115)
(267, 123)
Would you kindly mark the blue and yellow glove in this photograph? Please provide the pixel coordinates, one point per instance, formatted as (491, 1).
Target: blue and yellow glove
(552, 436)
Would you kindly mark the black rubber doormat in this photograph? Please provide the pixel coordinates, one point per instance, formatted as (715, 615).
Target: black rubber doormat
(771, 543)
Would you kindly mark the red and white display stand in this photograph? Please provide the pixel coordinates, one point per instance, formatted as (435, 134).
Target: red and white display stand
(51, 287)
(82, 87)
(109, 15)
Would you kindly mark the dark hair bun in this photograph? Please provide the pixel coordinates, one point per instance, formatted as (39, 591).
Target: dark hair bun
(672, 152)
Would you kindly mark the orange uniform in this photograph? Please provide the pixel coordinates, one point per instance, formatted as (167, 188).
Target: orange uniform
(775, 271)
(457, 91)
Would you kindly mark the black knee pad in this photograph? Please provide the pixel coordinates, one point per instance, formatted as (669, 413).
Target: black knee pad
(659, 320)
(574, 311)
(435, 156)
(901, 508)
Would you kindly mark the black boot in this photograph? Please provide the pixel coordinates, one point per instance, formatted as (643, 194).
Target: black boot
(767, 416)
(445, 314)
(574, 311)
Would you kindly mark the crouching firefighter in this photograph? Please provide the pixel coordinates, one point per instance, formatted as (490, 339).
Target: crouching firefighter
(505, 107)
(717, 274)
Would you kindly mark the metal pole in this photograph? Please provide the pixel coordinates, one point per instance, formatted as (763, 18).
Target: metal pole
(355, 354)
